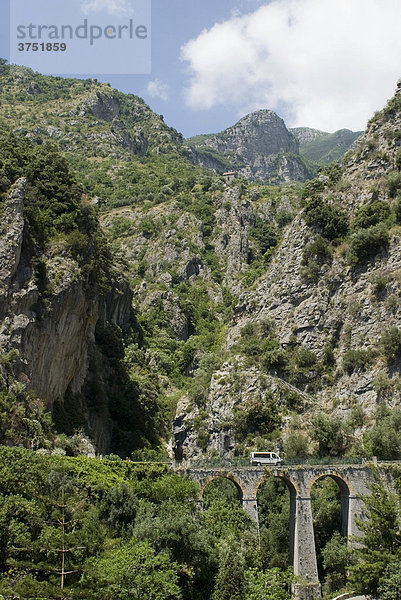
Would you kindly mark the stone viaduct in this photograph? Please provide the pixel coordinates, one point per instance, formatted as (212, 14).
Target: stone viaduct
(351, 479)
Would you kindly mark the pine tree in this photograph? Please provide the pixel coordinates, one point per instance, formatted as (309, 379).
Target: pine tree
(61, 539)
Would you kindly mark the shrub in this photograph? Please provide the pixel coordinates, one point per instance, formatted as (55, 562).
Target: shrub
(337, 557)
(331, 221)
(305, 358)
(272, 356)
(317, 250)
(379, 282)
(334, 171)
(384, 439)
(356, 360)
(265, 234)
(371, 214)
(393, 183)
(311, 272)
(149, 227)
(384, 386)
(296, 446)
(391, 343)
(260, 346)
(257, 415)
(397, 208)
(314, 255)
(284, 217)
(330, 434)
(365, 243)
(398, 160)
(328, 358)
(312, 188)
(292, 400)
(357, 416)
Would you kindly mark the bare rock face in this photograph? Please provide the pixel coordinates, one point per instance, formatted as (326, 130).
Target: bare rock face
(102, 105)
(235, 217)
(259, 146)
(55, 341)
(55, 350)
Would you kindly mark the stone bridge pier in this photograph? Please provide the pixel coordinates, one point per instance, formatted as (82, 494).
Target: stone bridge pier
(352, 481)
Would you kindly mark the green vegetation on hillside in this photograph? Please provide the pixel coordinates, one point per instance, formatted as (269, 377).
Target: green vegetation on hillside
(103, 133)
(191, 248)
(80, 528)
(368, 233)
(53, 209)
(321, 148)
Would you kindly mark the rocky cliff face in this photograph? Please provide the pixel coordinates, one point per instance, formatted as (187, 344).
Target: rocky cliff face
(259, 146)
(347, 307)
(53, 338)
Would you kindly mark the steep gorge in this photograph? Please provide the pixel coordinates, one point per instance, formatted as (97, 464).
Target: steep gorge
(241, 312)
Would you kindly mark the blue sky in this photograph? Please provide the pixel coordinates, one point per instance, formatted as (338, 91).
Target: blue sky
(320, 63)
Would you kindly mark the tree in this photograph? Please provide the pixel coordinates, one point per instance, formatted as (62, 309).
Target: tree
(391, 342)
(329, 220)
(274, 510)
(390, 587)
(371, 214)
(296, 446)
(173, 529)
(381, 540)
(329, 432)
(337, 557)
(131, 571)
(267, 585)
(366, 243)
(230, 580)
(61, 540)
(384, 439)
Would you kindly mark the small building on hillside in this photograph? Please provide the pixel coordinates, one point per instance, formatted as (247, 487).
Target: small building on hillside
(229, 176)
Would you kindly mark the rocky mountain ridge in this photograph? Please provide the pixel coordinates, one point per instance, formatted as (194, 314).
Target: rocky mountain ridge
(258, 147)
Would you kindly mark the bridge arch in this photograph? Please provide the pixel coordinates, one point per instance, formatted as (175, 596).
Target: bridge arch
(291, 484)
(346, 491)
(231, 477)
(342, 482)
(294, 492)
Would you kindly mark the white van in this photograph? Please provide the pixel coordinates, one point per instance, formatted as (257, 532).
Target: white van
(265, 458)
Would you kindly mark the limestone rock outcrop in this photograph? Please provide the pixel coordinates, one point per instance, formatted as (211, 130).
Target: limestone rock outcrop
(258, 147)
(54, 339)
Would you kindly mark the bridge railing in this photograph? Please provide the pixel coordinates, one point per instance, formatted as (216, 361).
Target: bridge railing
(244, 462)
(327, 460)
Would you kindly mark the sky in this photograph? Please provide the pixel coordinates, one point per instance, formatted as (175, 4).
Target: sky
(327, 64)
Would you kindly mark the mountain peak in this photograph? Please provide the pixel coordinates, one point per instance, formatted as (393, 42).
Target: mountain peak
(258, 146)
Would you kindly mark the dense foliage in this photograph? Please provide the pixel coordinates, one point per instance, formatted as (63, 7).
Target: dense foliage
(54, 210)
(85, 528)
(378, 566)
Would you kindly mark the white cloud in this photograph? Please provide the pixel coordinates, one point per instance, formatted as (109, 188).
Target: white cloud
(323, 63)
(113, 7)
(158, 89)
